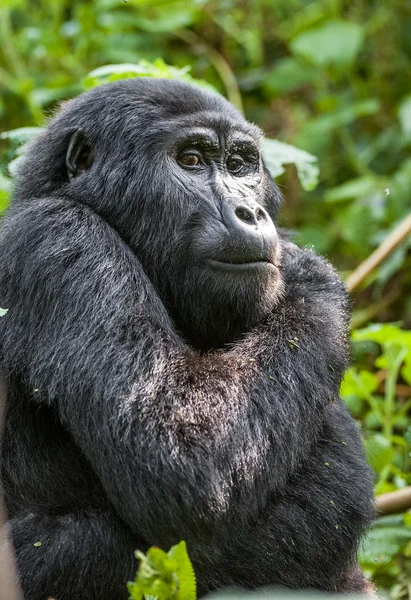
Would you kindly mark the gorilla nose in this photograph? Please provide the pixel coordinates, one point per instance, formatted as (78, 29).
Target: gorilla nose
(251, 230)
(251, 216)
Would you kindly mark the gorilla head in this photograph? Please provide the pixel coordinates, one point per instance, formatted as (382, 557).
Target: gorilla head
(177, 171)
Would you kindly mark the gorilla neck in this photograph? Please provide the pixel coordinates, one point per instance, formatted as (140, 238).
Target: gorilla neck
(212, 328)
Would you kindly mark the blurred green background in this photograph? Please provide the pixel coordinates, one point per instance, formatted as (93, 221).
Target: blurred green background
(331, 77)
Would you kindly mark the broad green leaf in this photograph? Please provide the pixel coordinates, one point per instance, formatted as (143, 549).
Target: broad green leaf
(317, 236)
(287, 75)
(4, 201)
(21, 135)
(277, 154)
(383, 333)
(185, 572)
(164, 576)
(360, 383)
(382, 544)
(317, 132)
(379, 452)
(334, 43)
(143, 68)
(355, 188)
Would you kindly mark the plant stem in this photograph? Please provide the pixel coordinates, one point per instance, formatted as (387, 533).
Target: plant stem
(394, 239)
(219, 62)
(390, 388)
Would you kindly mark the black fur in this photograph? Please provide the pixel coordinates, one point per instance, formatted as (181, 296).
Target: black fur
(151, 397)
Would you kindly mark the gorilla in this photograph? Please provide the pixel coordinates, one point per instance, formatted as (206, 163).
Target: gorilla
(173, 360)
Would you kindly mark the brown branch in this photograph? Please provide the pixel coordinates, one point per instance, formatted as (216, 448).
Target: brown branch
(391, 242)
(9, 586)
(394, 502)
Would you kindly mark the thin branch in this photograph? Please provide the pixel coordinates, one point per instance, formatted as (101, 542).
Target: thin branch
(394, 502)
(391, 242)
(365, 315)
(220, 64)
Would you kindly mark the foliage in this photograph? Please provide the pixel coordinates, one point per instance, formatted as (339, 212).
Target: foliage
(373, 395)
(164, 575)
(329, 77)
(277, 154)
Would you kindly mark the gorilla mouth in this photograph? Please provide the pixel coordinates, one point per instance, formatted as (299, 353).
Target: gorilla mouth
(241, 265)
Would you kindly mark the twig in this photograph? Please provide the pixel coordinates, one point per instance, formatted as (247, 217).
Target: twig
(220, 64)
(365, 315)
(394, 239)
(9, 587)
(394, 502)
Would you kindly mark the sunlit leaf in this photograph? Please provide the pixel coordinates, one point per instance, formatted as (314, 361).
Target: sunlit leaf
(164, 576)
(382, 544)
(277, 154)
(379, 452)
(21, 135)
(383, 333)
(334, 43)
(143, 68)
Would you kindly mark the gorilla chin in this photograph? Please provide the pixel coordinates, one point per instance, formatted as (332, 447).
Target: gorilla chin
(222, 302)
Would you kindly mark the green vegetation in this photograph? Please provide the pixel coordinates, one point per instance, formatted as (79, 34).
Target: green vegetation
(164, 575)
(327, 77)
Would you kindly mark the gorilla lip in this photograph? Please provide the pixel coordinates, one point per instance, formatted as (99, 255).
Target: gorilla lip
(241, 266)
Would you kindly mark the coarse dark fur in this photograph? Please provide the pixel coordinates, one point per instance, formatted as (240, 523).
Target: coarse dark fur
(156, 395)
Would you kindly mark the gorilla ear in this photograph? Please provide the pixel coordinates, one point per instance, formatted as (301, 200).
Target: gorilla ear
(79, 157)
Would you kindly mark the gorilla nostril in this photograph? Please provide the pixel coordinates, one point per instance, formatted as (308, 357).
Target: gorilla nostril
(244, 214)
(260, 214)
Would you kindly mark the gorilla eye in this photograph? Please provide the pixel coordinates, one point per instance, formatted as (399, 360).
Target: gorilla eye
(189, 160)
(235, 164)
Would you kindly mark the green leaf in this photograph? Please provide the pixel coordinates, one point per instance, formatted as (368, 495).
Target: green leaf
(379, 452)
(361, 384)
(317, 236)
(169, 16)
(22, 135)
(5, 189)
(288, 75)
(382, 334)
(164, 576)
(380, 546)
(355, 188)
(4, 201)
(185, 572)
(277, 154)
(3, 312)
(334, 43)
(143, 68)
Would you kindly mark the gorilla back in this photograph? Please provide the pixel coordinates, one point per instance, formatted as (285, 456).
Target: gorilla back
(173, 361)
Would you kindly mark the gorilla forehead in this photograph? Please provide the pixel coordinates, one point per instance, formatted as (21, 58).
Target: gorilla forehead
(142, 103)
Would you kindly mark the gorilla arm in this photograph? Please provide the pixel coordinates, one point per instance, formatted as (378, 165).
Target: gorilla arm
(179, 440)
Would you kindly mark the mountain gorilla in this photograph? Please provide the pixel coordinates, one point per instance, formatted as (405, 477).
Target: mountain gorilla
(173, 361)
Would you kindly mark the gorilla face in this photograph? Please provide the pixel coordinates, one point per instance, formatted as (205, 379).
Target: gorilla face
(183, 183)
(224, 274)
